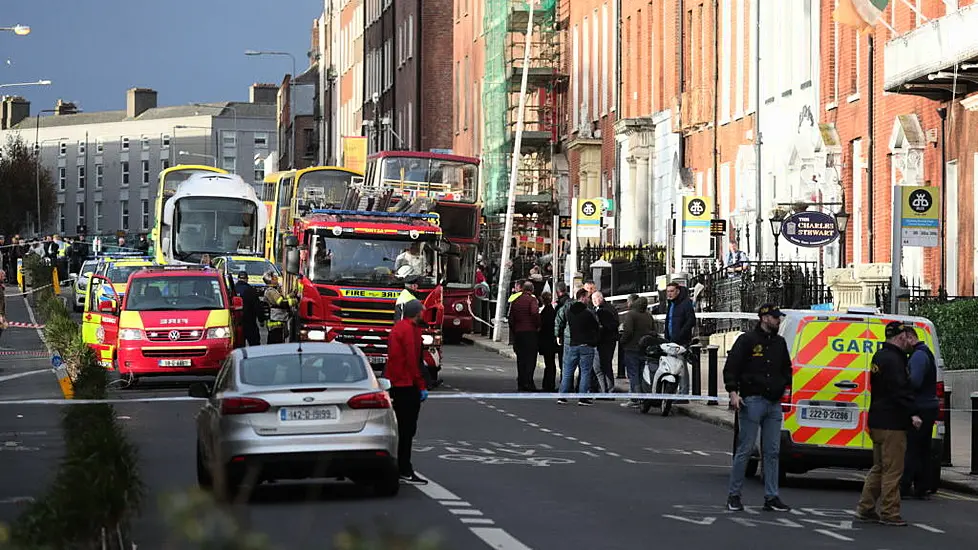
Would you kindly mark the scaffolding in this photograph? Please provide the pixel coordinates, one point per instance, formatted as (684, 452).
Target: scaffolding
(505, 39)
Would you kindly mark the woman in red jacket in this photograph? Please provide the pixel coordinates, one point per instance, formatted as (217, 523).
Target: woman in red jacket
(408, 387)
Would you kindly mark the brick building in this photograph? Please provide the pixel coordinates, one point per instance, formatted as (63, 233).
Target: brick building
(350, 45)
(468, 77)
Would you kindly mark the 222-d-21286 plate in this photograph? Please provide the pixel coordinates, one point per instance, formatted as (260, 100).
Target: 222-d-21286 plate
(175, 362)
(830, 414)
(290, 414)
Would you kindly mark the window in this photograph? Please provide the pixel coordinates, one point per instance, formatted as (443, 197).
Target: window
(81, 213)
(124, 215)
(98, 216)
(228, 162)
(62, 149)
(61, 219)
(145, 165)
(261, 140)
(99, 172)
(81, 147)
(125, 172)
(99, 146)
(62, 178)
(310, 138)
(81, 178)
(145, 140)
(164, 164)
(145, 206)
(229, 140)
(125, 144)
(259, 173)
(165, 141)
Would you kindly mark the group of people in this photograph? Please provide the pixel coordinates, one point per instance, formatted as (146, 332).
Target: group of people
(903, 409)
(67, 254)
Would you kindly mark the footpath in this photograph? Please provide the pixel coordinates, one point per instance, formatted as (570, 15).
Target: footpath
(957, 476)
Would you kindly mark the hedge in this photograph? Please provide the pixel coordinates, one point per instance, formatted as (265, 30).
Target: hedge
(955, 324)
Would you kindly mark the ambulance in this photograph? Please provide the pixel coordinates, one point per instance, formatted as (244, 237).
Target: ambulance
(176, 321)
(826, 408)
(107, 283)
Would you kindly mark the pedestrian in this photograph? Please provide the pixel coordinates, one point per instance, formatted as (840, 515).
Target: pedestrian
(607, 342)
(143, 245)
(279, 309)
(252, 310)
(407, 295)
(917, 479)
(548, 342)
(891, 414)
(408, 387)
(581, 345)
(3, 302)
(637, 324)
(757, 371)
(680, 317)
(562, 298)
(524, 320)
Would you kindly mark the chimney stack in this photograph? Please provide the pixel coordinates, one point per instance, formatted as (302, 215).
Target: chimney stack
(65, 108)
(14, 110)
(263, 93)
(139, 100)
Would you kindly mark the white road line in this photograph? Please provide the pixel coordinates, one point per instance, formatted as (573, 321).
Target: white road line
(584, 443)
(535, 425)
(436, 491)
(477, 521)
(498, 539)
(836, 536)
(570, 438)
(546, 430)
(926, 527)
(616, 455)
(466, 512)
(702, 453)
(459, 503)
(22, 374)
(558, 434)
(596, 448)
(17, 500)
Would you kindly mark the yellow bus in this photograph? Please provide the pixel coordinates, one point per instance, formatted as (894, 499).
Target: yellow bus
(169, 180)
(270, 189)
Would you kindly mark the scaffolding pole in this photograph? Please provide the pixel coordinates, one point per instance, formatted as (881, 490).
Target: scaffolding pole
(504, 267)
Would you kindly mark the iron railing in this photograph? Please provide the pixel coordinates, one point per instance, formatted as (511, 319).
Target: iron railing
(634, 269)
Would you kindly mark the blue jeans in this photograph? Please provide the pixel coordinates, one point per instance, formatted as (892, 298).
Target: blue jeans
(634, 361)
(576, 356)
(758, 413)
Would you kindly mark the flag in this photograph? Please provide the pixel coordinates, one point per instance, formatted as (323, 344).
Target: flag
(860, 14)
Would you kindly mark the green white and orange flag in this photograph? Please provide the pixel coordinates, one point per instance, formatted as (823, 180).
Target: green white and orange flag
(860, 14)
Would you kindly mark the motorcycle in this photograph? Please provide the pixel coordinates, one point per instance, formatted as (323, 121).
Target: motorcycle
(664, 372)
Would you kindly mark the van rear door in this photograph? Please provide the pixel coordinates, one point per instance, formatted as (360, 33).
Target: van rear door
(830, 382)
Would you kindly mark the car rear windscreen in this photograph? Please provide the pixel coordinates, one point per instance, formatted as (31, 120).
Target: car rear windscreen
(303, 369)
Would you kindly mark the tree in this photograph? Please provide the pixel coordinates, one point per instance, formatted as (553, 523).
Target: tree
(18, 188)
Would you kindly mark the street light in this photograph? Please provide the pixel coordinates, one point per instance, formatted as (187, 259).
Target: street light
(189, 154)
(38, 83)
(254, 53)
(19, 30)
(776, 220)
(841, 223)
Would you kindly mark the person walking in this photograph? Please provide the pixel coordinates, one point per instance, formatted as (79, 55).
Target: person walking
(581, 344)
(408, 387)
(548, 342)
(891, 414)
(252, 309)
(524, 318)
(637, 324)
(917, 479)
(607, 342)
(757, 371)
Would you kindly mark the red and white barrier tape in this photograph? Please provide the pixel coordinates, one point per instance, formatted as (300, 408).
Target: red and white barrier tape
(31, 353)
(15, 324)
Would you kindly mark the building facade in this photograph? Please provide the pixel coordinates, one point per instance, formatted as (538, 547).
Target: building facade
(105, 165)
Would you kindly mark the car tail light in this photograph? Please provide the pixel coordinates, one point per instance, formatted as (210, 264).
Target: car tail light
(372, 400)
(786, 400)
(941, 408)
(243, 405)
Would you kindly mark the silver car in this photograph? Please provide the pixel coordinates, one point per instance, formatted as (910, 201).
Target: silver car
(291, 411)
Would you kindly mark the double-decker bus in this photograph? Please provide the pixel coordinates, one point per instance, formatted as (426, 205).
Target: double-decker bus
(269, 196)
(453, 182)
(169, 180)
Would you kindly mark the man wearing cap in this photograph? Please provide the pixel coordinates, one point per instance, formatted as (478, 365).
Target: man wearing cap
(406, 296)
(408, 386)
(252, 307)
(757, 371)
(891, 413)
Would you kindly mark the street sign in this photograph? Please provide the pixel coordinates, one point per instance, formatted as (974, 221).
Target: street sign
(920, 216)
(697, 212)
(718, 228)
(589, 217)
(56, 361)
(810, 229)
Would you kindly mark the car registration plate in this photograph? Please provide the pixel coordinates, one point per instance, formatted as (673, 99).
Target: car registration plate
(374, 359)
(174, 362)
(291, 414)
(828, 414)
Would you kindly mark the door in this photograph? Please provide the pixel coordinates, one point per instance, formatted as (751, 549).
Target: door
(830, 383)
(108, 320)
(91, 318)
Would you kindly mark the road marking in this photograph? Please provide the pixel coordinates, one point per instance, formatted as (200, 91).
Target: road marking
(570, 438)
(616, 455)
(596, 448)
(17, 500)
(584, 443)
(465, 512)
(22, 374)
(534, 425)
(836, 536)
(926, 527)
(454, 503)
(498, 538)
(477, 521)
(546, 430)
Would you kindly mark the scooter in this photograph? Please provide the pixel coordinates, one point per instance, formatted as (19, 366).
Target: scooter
(665, 372)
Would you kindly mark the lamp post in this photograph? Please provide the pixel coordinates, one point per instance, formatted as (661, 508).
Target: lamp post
(776, 220)
(185, 126)
(841, 223)
(19, 30)
(37, 161)
(291, 99)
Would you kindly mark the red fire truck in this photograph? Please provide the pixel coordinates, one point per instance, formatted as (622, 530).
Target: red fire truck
(349, 267)
(453, 183)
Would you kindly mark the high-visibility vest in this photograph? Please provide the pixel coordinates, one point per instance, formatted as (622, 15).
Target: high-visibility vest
(403, 298)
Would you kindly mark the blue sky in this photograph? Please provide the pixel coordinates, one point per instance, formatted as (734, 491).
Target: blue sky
(189, 51)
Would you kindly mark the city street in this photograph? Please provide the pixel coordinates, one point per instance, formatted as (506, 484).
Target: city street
(514, 474)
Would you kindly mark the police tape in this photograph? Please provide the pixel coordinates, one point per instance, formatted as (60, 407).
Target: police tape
(16, 324)
(31, 291)
(32, 353)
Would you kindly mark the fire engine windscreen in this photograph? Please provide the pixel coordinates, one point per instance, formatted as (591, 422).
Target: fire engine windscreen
(435, 177)
(214, 226)
(174, 294)
(338, 260)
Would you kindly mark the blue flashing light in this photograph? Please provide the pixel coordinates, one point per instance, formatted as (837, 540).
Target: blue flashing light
(374, 213)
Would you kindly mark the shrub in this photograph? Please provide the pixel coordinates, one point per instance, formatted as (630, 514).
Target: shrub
(954, 321)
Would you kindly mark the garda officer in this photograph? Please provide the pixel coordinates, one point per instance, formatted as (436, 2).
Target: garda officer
(408, 294)
(280, 308)
(757, 371)
(252, 309)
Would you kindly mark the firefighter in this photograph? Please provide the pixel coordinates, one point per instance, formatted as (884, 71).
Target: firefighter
(408, 294)
(280, 309)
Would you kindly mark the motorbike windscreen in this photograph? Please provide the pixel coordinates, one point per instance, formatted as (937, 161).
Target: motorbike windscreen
(215, 226)
(339, 260)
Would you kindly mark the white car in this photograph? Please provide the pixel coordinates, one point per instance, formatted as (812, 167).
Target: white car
(296, 411)
(81, 282)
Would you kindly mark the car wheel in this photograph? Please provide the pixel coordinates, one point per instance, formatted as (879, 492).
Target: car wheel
(204, 478)
(388, 486)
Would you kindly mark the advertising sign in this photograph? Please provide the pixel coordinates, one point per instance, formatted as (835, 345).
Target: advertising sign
(589, 217)
(920, 216)
(697, 214)
(355, 153)
(810, 229)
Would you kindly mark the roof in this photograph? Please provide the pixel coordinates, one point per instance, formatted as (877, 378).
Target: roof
(241, 110)
(293, 348)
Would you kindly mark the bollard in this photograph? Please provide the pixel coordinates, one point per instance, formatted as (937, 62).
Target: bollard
(695, 366)
(712, 362)
(974, 433)
(946, 452)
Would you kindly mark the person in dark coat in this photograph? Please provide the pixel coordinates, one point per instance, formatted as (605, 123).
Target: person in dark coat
(917, 479)
(563, 296)
(607, 342)
(252, 309)
(524, 320)
(548, 342)
(637, 324)
(583, 340)
(680, 317)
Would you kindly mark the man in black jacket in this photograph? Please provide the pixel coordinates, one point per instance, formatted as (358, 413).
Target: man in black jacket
(680, 317)
(757, 371)
(252, 309)
(918, 480)
(891, 413)
(548, 342)
(584, 333)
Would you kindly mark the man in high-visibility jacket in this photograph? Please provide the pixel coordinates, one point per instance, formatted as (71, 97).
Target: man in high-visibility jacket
(280, 309)
(410, 287)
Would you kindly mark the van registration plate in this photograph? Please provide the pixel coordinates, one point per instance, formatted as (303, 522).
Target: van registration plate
(174, 362)
(831, 414)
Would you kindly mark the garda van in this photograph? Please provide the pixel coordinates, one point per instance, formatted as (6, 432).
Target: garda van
(826, 408)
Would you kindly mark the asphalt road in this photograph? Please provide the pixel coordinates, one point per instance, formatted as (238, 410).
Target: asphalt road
(506, 474)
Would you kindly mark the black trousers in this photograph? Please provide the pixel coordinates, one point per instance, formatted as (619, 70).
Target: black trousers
(525, 344)
(276, 335)
(918, 461)
(549, 369)
(252, 334)
(407, 408)
(604, 371)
